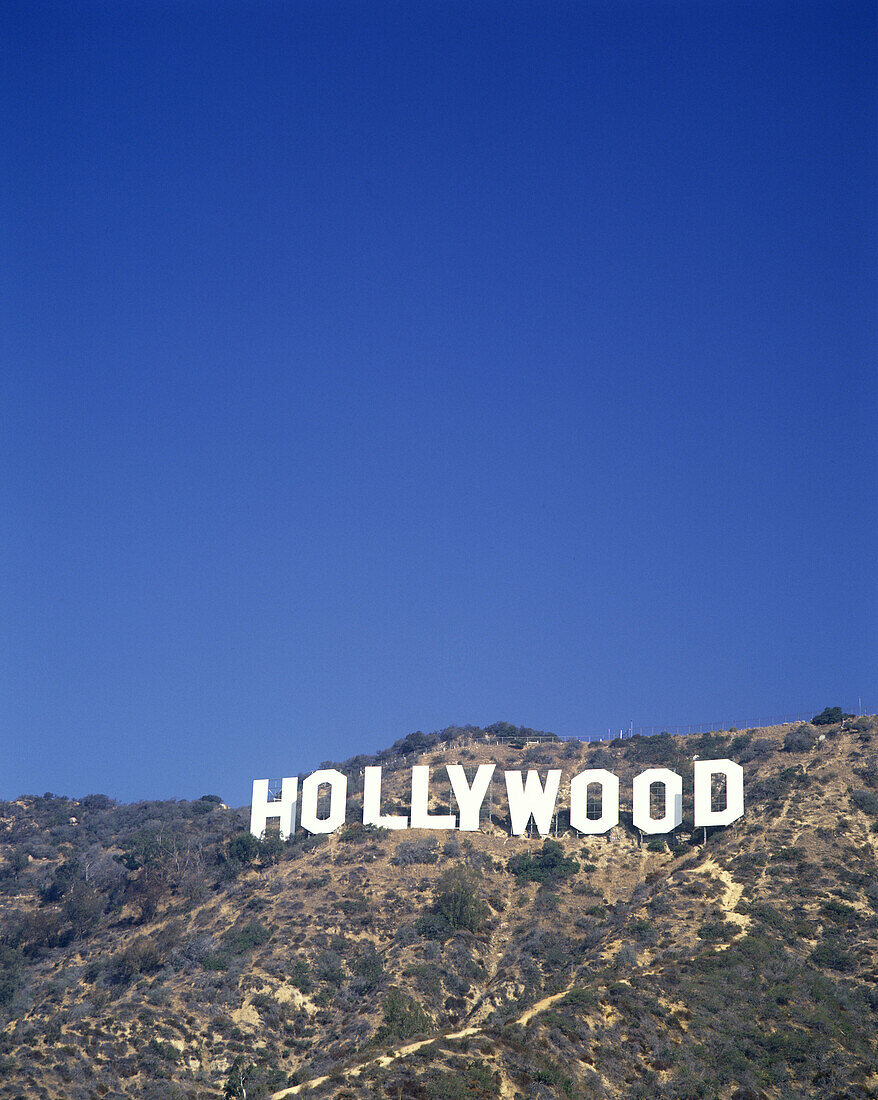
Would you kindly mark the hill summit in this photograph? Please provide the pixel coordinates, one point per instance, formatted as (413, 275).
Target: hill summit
(159, 951)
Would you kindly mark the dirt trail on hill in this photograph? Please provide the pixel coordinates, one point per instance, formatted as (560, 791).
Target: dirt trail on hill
(730, 898)
(403, 1052)
(541, 1006)
(382, 1061)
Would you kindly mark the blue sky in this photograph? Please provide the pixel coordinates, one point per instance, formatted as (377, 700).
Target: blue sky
(373, 367)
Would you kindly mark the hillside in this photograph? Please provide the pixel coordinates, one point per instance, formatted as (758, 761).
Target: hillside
(156, 951)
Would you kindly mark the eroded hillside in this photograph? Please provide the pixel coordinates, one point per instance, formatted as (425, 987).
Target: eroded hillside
(155, 951)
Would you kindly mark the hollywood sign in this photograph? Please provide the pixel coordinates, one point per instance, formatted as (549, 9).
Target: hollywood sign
(528, 799)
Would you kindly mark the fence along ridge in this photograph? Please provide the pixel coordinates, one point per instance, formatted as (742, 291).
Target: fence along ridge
(682, 729)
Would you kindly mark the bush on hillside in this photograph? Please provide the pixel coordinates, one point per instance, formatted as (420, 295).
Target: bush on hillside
(832, 954)
(243, 848)
(548, 865)
(403, 1017)
(329, 967)
(756, 750)
(867, 801)
(409, 852)
(799, 739)
(369, 971)
(140, 957)
(475, 1080)
(244, 937)
(300, 975)
(829, 716)
(458, 901)
(717, 930)
(12, 963)
(433, 926)
(660, 748)
(711, 744)
(506, 729)
(416, 742)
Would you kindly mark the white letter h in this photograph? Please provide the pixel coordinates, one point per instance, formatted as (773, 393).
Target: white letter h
(282, 808)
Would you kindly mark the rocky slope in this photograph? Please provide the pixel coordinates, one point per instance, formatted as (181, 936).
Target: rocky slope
(154, 951)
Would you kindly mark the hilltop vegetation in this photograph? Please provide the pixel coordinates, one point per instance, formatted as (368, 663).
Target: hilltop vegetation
(158, 951)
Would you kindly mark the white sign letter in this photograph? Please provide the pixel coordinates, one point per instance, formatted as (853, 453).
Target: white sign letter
(281, 808)
(469, 798)
(421, 816)
(528, 800)
(705, 770)
(338, 796)
(673, 785)
(609, 785)
(372, 803)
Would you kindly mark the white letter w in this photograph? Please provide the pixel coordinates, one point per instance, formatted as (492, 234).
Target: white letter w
(529, 799)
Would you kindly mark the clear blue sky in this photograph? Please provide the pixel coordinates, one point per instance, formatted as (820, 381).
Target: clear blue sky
(373, 367)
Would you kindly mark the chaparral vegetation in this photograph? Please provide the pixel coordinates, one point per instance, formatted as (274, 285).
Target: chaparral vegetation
(160, 951)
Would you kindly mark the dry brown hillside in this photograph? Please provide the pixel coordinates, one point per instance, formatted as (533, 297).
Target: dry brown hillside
(152, 951)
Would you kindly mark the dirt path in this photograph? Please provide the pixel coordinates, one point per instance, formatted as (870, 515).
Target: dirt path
(730, 898)
(410, 1048)
(381, 1062)
(541, 1006)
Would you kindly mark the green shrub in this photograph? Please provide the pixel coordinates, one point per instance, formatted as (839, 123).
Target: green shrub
(549, 1073)
(369, 970)
(244, 937)
(829, 716)
(458, 901)
(476, 1080)
(840, 913)
(300, 975)
(216, 961)
(716, 931)
(580, 998)
(164, 1050)
(660, 748)
(409, 852)
(433, 926)
(329, 967)
(243, 848)
(711, 744)
(270, 850)
(11, 966)
(354, 906)
(867, 801)
(403, 1017)
(765, 914)
(549, 865)
(832, 954)
(798, 739)
(140, 957)
(355, 832)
